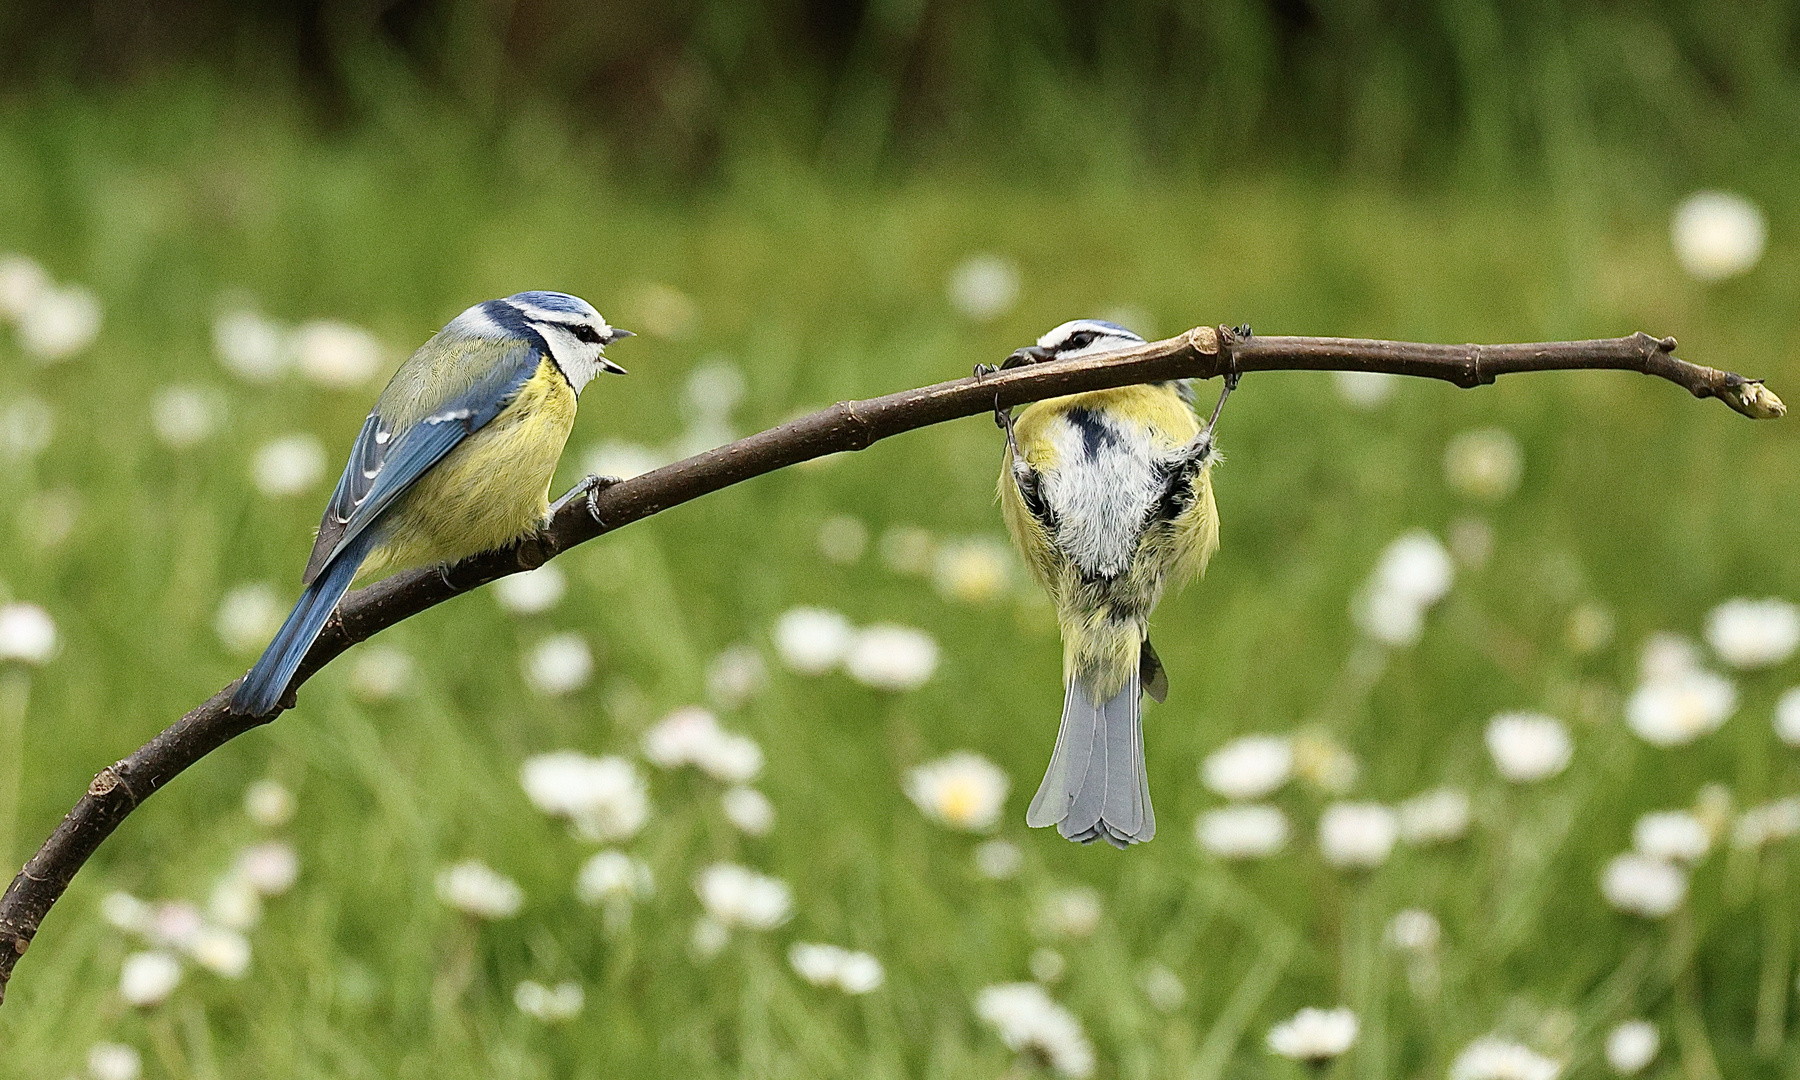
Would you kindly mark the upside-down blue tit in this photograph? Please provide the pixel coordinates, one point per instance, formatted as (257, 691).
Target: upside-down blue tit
(1108, 495)
(456, 458)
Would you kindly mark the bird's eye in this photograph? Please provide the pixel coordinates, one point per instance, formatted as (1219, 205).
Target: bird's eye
(584, 332)
(1080, 340)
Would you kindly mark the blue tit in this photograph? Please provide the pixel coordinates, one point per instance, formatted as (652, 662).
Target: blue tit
(456, 458)
(1108, 495)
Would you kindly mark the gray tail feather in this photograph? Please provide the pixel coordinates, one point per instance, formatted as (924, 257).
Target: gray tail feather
(1096, 788)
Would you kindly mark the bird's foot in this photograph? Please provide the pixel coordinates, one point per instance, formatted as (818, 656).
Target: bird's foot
(982, 371)
(589, 490)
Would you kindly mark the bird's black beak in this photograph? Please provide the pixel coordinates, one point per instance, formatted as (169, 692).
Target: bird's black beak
(613, 335)
(1030, 354)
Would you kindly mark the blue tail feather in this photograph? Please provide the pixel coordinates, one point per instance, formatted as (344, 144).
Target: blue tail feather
(268, 679)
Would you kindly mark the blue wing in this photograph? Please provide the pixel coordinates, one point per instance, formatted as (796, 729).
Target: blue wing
(403, 437)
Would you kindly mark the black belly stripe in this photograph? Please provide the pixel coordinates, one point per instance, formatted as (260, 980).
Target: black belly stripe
(1095, 432)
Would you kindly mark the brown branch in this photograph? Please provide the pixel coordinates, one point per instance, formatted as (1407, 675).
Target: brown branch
(1201, 353)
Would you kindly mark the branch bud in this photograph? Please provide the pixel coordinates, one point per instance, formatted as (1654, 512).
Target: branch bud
(1752, 398)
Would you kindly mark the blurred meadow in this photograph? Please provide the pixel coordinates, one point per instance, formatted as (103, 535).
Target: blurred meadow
(1482, 725)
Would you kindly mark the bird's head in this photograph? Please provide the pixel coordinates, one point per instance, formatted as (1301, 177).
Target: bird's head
(1078, 337)
(575, 334)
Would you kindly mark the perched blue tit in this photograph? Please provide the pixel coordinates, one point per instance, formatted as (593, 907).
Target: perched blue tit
(456, 458)
(1108, 495)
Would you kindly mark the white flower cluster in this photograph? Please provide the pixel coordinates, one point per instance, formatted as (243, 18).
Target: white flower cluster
(1028, 1021)
(1632, 1046)
(53, 322)
(1359, 835)
(1252, 767)
(734, 896)
(847, 970)
(559, 664)
(551, 1004)
(532, 592)
(604, 799)
(184, 416)
(1484, 464)
(479, 891)
(692, 736)
(1677, 700)
(212, 938)
(1414, 573)
(813, 641)
(289, 465)
(327, 352)
(1769, 822)
(962, 791)
(1246, 831)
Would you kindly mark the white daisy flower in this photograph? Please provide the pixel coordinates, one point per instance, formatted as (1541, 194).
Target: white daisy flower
(552, 1005)
(1250, 831)
(1642, 885)
(1717, 235)
(812, 641)
(114, 1061)
(613, 876)
(736, 896)
(984, 287)
(1672, 836)
(843, 539)
(1527, 747)
(290, 465)
(336, 354)
(560, 664)
(1314, 1035)
(1357, 835)
(1252, 767)
(1484, 464)
(603, 798)
(692, 736)
(248, 617)
(1437, 816)
(1631, 1046)
(998, 859)
(1414, 930)
(962, 791)
(1494, 1058)
(1027, 1020)
(1676, 710)
(271, 867)
(830, 966)
(269, 803)
(184, 416)
(1754, 633)
(1787, 717)
(222, 951)
(148, 978)
(1069, 913)
(59, 323)
(974, 570)
(251, 347)
(893, 658)
(748, 809)
(474, 888)
(27, 633)
(22, 281)
(1364, 390)
(381, 673)
(908, 549)
(735, 676)
(532, 592)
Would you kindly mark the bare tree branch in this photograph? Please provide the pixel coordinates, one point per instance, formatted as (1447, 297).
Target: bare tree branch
(1201, 353)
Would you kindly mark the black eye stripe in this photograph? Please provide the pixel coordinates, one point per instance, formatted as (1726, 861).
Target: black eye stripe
(582, 332)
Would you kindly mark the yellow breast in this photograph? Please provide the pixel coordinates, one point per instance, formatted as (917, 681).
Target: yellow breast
(489, 491)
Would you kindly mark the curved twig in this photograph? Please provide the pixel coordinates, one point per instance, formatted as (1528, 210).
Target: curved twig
(1201, 353)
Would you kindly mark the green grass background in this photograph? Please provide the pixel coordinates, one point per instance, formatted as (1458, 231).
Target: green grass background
(1634, 496)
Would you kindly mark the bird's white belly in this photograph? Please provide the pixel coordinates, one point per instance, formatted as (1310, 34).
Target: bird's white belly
(1105, 485)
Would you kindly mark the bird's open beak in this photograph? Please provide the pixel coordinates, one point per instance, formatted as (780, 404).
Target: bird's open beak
(1030, 354)
(613, 335)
